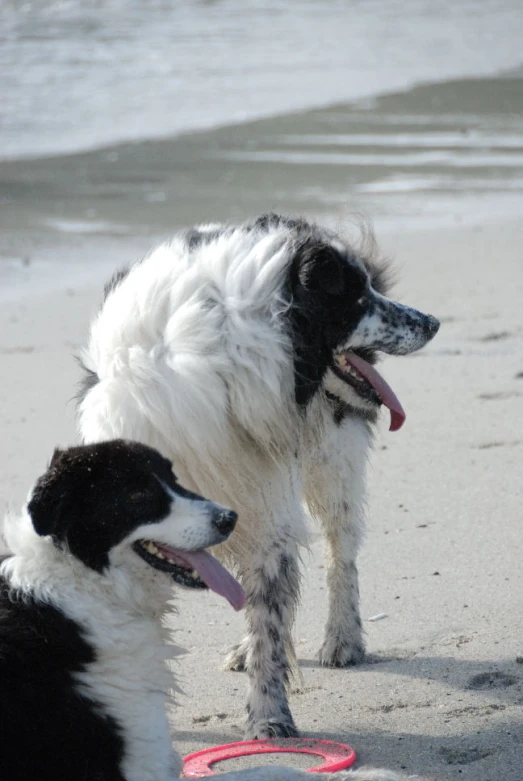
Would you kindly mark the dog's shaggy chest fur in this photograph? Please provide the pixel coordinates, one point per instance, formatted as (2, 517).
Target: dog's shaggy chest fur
(245, 355)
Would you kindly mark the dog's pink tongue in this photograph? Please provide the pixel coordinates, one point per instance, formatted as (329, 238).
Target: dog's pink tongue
(216, 577)
(382, 388)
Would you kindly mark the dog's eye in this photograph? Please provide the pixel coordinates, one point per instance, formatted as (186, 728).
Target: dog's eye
(137, 496)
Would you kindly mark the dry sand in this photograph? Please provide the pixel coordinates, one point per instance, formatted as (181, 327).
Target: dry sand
(441, 695)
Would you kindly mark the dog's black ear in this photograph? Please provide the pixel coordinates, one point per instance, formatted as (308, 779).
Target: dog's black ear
(321, 268)
(48, 498)
(329, 273)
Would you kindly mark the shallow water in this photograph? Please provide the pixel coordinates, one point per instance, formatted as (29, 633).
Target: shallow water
(429, 154)
(77, 75)
(115, 91)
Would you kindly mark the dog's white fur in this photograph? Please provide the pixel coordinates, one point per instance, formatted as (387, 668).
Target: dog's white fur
(192, 356)
(161, 351)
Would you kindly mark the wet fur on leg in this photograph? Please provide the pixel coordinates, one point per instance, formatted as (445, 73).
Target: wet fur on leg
(272, 589)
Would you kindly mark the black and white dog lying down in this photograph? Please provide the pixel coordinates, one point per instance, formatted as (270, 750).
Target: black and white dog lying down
(84, 679)
(245, 354)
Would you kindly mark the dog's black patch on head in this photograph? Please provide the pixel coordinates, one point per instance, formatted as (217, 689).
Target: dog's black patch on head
(93, 496)
(326, 290)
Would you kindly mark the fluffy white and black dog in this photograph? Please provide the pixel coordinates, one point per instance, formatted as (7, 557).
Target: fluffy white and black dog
(244, 353)
(82, 649)
(83, 652)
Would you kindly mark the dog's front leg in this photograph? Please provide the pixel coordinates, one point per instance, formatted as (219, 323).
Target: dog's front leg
(335, 494)
(271, 583)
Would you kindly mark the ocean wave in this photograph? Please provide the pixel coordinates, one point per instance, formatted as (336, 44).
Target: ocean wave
(83, 76)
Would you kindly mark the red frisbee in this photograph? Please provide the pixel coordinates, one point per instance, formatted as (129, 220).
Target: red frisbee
(336, 756)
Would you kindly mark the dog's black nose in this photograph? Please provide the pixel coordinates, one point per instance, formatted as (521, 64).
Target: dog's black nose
(432, 325)
(224, 520)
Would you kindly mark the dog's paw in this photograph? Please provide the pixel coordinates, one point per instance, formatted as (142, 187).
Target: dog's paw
(335, 653)
(235, 659)
(271, 728)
